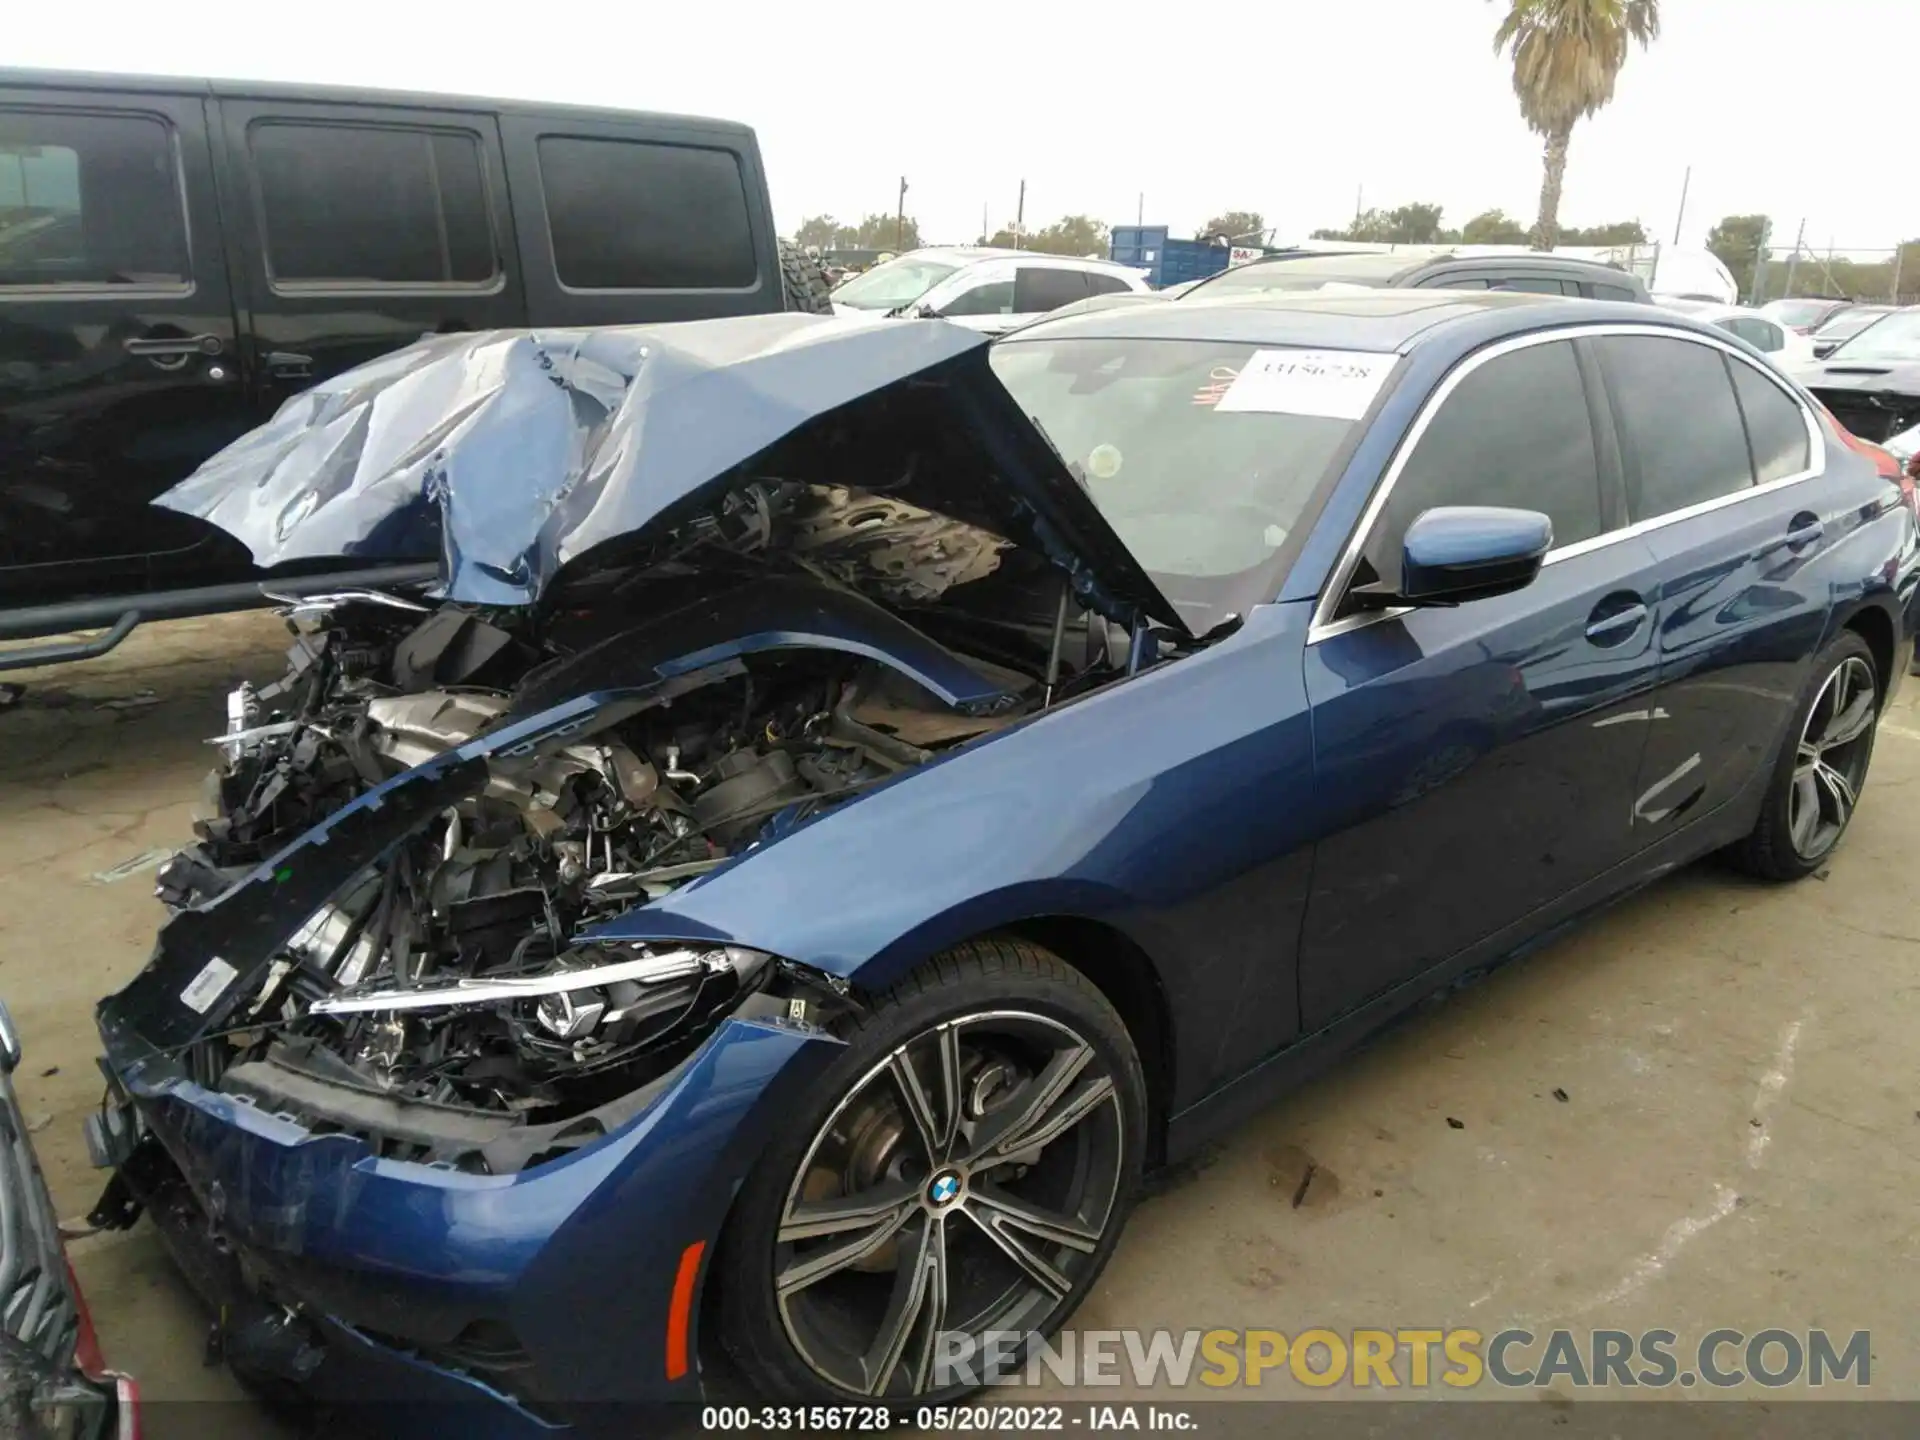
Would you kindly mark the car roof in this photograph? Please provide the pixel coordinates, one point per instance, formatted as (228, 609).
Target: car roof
(1381, 321)
(964, 255)
(289, 91)
(1393, 267)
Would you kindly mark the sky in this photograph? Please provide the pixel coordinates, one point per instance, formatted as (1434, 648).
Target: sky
(1802, 109)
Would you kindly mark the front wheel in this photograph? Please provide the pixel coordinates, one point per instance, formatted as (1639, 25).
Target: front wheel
(1822, 768)
(964, 1171)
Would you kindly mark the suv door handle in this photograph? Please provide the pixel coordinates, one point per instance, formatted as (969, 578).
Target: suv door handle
(1615, 619)
(182, 345)
(288, 365)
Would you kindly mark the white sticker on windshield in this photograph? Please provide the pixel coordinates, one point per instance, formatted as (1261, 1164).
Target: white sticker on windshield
(1339, 384)
(208, 985)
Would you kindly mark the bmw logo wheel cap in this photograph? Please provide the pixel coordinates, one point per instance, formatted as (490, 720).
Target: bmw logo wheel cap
(943, 1189)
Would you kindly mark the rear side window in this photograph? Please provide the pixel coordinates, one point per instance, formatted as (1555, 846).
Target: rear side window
(1098, 284)
(1038, 289)
(634, 215)
(1776, 426)
(1536, 285)
(89, 200)
(346, 205)
(1515, 432)
(1611, 292)
(993, 298)
(1679, 426)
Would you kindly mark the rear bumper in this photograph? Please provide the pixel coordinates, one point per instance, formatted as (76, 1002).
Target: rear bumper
(530, 1299)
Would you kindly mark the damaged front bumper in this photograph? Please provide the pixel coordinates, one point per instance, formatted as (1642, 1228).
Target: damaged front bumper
(538, 1299)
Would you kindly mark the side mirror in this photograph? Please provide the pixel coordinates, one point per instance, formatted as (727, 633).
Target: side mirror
(9, 1041)
(926, 312)
(1456, 553)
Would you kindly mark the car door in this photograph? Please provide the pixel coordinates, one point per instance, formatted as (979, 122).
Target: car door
(1714, 449)
(117, 360)
(362, 229)
(1473, 764)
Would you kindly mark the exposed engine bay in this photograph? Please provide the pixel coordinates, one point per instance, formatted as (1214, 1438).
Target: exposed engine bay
(452, 985)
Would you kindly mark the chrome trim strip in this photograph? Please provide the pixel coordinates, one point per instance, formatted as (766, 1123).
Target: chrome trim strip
(1323, 627)
(644, 969)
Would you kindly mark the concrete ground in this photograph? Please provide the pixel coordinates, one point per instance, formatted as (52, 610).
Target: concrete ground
(1700, 1111)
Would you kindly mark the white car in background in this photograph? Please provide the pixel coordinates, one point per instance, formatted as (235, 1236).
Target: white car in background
(983, 289)
(1782, 344)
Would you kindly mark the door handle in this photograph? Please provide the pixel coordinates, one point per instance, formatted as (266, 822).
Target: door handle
(172, 346)
(1607, 626)
(289, 365)
(1804, 530)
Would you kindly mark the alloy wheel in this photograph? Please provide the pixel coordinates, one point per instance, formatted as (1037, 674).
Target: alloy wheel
(1830, 763)
(964, 1184)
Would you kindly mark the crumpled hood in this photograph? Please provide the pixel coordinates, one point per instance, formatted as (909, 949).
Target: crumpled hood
(512, 453)
(1900, 376)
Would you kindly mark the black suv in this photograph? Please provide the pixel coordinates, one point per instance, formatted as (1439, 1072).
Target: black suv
(177, 257)
(1424, 269)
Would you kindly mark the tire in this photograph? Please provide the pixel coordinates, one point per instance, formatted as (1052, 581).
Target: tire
(988, 1013)
(803, 284)
(1823, 762)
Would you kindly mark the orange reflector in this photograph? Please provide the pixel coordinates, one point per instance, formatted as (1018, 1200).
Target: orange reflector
(680, 1314)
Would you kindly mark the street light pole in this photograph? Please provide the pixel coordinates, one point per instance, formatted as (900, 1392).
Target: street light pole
(1020, 215)
(900, 218)
(1680, 219)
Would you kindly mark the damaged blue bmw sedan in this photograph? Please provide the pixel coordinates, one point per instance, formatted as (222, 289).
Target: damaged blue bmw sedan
(860, 796)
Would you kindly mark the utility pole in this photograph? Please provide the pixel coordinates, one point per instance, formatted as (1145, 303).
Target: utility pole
(1020, 215)
(1680, 219)
(1793, 260)
(1359, 205)
(984, 232)
(1899, 254)
(900, 218)
(1757, 290)
(1140, 210)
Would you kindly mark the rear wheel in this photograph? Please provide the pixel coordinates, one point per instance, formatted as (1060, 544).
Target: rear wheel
(965, 1169)
(803, 284)
(1822, 771)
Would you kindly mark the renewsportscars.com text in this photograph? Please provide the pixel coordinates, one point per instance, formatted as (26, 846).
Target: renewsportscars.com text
(1411, 1359)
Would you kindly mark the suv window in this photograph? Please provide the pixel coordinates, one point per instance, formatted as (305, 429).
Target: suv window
(1038, 289)
(89, 200)
(1680, 426)
(1516, 432)
(1099, 284)
(1535, 285)
(1776, 425)
(993, 298)
(638, 215)
(1603, 291)
(371, 205)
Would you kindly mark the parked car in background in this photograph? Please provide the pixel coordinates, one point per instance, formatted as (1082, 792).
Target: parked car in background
(1528, 274)
(1871, 382)
(178, 257)
(54, 1382)
(1805, 314)
(982, 288)
(790, 890)
(1779, 342)
(1846, 324)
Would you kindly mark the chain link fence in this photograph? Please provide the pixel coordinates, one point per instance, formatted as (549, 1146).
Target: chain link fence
(1870, 274)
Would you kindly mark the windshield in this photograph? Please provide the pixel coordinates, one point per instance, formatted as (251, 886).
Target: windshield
(1203, 473)
(1895, 336)
(1310, 272)
(1849, 323)
(1796, 312)
(896, 283)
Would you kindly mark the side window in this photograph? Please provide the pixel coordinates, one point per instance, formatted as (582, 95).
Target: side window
(993, 298)
(371, 205)
(1680, 428)
(89, 199)
(1602, 291)
(1766, 335)
(1535, 285)
(1038, 289)
(1776, 425)
(1099, 284)
(636, 215)
(1459, 282)
(1515, 432)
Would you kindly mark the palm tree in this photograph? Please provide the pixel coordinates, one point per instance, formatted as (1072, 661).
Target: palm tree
(1567, 54)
